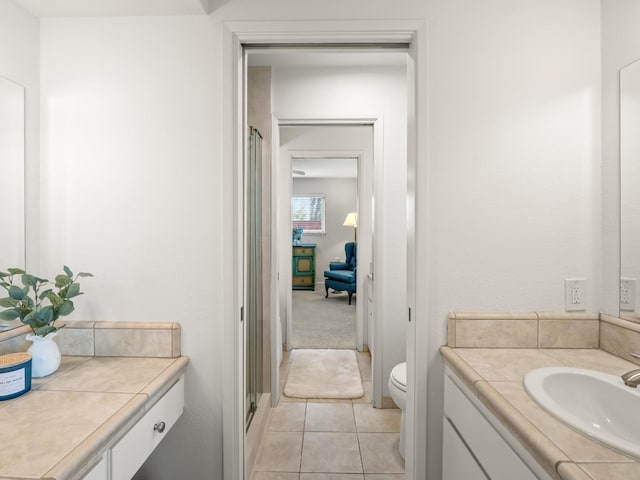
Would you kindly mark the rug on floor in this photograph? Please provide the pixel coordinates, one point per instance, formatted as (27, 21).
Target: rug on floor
(324, 374)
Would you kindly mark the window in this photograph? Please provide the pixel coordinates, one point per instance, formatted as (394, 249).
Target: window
(307, 212)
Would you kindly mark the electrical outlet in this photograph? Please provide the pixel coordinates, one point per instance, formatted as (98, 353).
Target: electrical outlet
(574, 294)
(628, 294)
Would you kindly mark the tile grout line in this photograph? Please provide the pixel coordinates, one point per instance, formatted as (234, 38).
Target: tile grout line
(304, 432)
(357, 438)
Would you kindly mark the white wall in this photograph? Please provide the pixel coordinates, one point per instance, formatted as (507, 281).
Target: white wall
(514, 164)
(132, 193)
(340, 198)
(20, 63)
(620, 46)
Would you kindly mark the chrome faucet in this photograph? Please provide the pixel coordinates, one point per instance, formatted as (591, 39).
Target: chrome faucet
(632, 378)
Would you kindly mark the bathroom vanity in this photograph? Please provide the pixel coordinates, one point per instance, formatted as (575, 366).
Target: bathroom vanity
(99, 416)
(493, 429)
(475, 443)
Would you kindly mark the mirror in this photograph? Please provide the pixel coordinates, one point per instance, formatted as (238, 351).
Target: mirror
(12, 141)
(629, 189)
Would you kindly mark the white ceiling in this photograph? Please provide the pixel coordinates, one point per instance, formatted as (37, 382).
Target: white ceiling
(115, 8)
(325, 167)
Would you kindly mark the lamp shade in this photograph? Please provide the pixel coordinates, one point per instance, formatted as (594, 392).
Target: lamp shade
(351, 220)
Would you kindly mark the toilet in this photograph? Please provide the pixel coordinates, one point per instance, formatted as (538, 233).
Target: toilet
(398, 390)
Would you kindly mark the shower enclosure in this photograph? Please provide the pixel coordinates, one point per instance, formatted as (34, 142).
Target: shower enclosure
(253, 306)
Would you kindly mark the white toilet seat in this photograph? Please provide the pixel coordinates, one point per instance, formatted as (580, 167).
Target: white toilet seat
(398, 390)
(398, 376)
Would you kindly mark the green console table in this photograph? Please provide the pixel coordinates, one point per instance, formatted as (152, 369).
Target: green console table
(304, 266)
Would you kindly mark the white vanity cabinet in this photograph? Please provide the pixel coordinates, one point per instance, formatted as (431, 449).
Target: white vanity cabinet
(100, 471)
(457, 461)
(135, 447)
(124, 459)
(474, 448)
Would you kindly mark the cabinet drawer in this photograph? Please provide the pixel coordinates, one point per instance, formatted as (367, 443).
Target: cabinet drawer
(494, 454)
(308, 280)
(300, 251)
(457, 461)
(134, 448)
(304, 265)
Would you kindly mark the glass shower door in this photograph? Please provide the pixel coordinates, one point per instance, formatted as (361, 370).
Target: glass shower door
(253, 321)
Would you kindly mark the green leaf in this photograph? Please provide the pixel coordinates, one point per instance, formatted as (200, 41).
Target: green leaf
(68, 271)
(44, 294)
(16, 293)
(66, 308)
(29, 320)
(16, 271)
(45, 330)
(44, 316)
(74, 290)
(9, 302)
(10, 314)
(62, 280)
(3, 274)
(28, 302)
(29, 280)
(55, 300)
(85, 274)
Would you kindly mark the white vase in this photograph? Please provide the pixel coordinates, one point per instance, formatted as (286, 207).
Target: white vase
(45, 355)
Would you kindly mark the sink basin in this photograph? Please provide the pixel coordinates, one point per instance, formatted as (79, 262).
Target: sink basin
(596, 404)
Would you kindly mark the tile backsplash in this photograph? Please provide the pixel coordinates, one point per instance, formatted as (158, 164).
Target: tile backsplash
(544, 330)
(523, 330)
(108, 339)
(620, 337)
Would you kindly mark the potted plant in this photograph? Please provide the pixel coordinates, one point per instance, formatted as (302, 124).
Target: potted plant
(39, 303)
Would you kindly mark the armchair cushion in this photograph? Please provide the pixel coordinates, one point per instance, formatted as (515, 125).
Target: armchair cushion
(338, 266)
(345, 276)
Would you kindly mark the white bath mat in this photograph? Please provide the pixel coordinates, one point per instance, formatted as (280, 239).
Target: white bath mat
(324, 374)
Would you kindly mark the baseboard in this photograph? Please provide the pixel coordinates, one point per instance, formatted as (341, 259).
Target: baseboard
(256, 431)
(387, 402)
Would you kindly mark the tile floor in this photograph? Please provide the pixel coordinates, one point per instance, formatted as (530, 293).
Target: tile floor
(330, 439)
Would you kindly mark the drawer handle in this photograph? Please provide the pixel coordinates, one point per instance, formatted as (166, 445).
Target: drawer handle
(159, 427)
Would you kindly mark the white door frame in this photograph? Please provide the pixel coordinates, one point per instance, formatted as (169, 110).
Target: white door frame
(356, 32)
(365, 189)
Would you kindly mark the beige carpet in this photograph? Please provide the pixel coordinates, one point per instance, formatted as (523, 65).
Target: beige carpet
(320, 322)
(324, 374)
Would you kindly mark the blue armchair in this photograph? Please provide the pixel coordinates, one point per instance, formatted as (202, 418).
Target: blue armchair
(342, 276)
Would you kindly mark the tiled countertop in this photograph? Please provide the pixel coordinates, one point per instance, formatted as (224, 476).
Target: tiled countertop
(62, 426)
(495, 375)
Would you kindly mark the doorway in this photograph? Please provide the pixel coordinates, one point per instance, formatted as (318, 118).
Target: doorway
(324, 194)
(236, 37)
(331, 164)
(327, 97)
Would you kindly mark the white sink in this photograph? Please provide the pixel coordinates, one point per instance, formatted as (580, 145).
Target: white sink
(596, 404)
